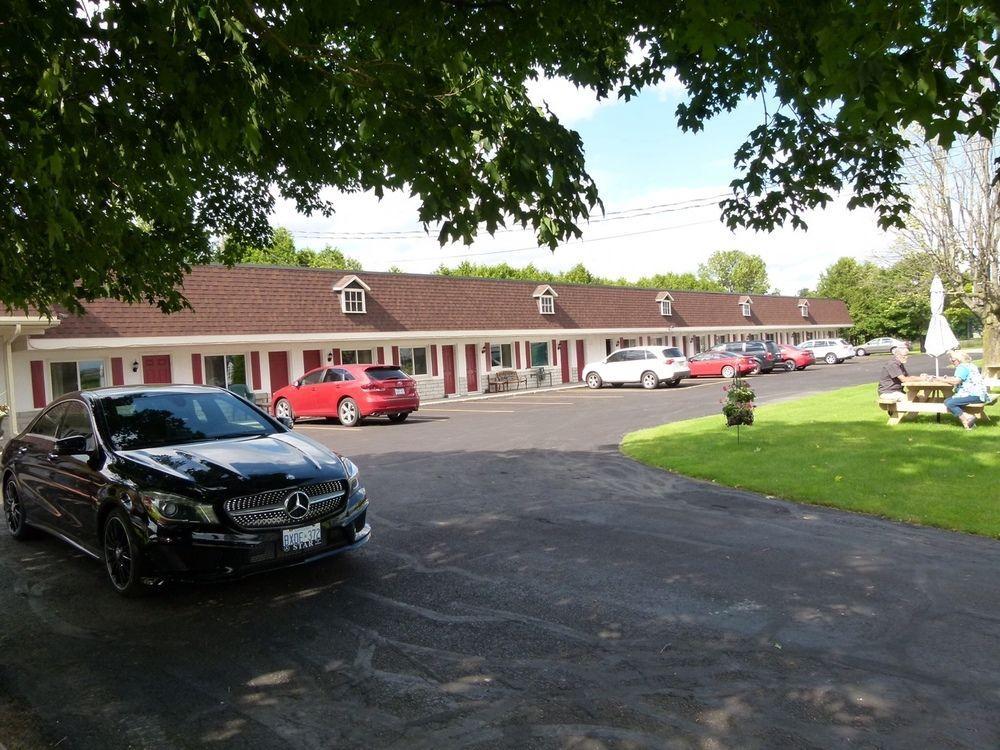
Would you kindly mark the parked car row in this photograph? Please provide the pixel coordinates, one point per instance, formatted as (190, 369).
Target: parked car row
(652, 366)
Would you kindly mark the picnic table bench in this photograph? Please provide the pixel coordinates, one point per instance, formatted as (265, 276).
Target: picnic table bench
(927, 397)
(505, 380)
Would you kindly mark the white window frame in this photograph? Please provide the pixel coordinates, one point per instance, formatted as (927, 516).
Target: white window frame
(745, 308)
(353, 301)
(546, 304)
(548, 354)
(371, 354)
(666, 307)
(76, 362)
(804, 309)
(247, 374)
(510, 355)
(411, 350)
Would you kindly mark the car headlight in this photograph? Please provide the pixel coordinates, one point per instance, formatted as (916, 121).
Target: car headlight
(167, 508)
(353, 480)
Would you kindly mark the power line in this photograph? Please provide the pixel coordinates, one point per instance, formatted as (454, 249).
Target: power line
(632, 213)
(565, 244)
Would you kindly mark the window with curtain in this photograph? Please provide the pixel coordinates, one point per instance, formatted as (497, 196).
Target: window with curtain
(501, 355)
(539, 353)
(413, 360)
(225, 370)
(67, 377)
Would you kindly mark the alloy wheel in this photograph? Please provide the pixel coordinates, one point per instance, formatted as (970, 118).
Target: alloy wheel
(650, 381)
(348, 412)
(12, 507)
(117, 553)
(593, 380)
(283, 409)
(728, 371)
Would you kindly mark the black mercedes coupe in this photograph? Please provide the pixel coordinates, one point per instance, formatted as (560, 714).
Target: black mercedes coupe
(179, 482)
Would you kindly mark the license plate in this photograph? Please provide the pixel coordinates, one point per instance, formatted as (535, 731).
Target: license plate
(293, 540)
(400, 391)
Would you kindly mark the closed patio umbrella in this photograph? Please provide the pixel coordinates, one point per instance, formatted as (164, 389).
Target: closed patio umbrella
(940, 338)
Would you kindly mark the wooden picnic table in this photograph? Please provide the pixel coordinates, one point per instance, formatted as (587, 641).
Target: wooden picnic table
(926, 396)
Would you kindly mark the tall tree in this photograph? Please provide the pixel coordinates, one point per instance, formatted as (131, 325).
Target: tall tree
(133, 133)
(887, 300)
(955, 223)
(281, 251)
(679, 281)
(736, 271)
(579, 274)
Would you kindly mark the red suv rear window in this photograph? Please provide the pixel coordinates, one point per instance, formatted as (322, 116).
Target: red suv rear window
(386, 373)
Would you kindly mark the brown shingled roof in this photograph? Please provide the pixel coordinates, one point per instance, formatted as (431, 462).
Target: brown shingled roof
(253, 300)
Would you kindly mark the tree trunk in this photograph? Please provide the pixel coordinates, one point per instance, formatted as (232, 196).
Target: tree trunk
(991, 338)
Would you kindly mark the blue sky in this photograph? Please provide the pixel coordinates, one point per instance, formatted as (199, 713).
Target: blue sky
(639, 157)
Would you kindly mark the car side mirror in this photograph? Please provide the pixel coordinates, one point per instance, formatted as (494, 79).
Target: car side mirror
(297, 383)
(71, 446)
(287, 422)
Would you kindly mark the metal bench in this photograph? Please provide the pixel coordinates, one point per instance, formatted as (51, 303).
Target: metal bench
(505, 380)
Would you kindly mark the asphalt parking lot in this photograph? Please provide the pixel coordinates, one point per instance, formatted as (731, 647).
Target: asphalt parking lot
(529, 587)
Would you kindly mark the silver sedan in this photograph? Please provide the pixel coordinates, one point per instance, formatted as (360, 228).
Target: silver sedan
(882, 345)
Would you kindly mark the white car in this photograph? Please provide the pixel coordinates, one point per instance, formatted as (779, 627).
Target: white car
(646, 365)
(831, 351)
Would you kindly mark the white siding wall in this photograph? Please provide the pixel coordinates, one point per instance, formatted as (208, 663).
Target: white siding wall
(431, 387)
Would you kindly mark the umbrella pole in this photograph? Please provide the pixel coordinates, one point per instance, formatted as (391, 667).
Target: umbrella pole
(936, 370)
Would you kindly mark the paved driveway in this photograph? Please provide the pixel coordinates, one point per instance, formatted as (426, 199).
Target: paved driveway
(527, 586)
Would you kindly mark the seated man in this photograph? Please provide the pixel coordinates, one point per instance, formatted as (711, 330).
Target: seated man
(894, 374)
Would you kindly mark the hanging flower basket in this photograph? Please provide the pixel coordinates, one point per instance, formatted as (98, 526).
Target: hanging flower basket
(738, 408)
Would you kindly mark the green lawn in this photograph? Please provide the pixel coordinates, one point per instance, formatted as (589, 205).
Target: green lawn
(836, 449)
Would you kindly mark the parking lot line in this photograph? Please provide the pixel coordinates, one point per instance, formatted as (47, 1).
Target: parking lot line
(473, 411)
(538, 403)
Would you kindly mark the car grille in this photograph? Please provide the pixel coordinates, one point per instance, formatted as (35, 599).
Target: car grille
(267, 509)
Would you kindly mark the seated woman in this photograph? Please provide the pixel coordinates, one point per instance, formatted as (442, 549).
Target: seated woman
(971, 388)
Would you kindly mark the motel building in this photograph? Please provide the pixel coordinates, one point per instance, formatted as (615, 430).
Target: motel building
(258, 328)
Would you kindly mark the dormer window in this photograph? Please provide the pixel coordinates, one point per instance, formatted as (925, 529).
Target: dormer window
(666, 303)
(353, 300)
(804, 307)
(352, 294)
(546, 297)
(745, 306)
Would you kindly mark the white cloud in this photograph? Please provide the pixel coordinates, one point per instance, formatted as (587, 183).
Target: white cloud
(572, 103)
(663, 241)
(569, 102)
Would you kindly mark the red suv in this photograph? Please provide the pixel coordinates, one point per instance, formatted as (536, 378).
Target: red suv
(350, 393)
(794, 358)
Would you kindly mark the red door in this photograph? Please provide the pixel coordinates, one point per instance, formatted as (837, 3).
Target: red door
(579, 359)
(277, 367)
(471, 369)
(564, 360)
(310, 359)
(156, 369)
(448, 354)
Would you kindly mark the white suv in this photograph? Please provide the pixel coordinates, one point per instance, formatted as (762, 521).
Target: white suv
(647, 365)
(831, 351)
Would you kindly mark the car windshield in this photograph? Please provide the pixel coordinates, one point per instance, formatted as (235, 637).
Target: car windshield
(150, 420)
(386, 373)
